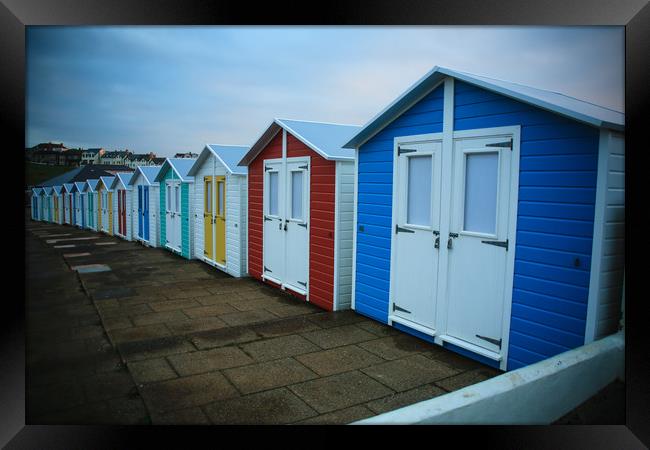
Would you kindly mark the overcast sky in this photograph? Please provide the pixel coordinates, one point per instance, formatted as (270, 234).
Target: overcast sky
(171, 89)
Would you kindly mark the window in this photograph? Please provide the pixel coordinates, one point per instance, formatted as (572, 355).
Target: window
(169, 198)
(208, 196)
(418, 206)
(481, 178)
(220, 198)
(273, 193)
(177, 198)
(296, 195)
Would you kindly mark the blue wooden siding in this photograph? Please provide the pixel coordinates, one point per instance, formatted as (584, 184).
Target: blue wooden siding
(555, 221)
(374, 203)
(557, 189)
(185, 221)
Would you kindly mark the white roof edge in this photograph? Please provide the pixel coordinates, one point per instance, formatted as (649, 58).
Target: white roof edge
(302, 138)
(261, 135)
(492, 87)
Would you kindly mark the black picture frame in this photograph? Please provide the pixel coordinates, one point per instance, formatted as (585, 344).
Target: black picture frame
(15, 15)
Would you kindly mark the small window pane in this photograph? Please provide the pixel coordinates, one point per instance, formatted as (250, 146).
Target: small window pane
(169, 198)
(296, 195)
(481, 174)
(177, 195)
(273, 193)
(418, 210)
(208, 197)
(220, 198)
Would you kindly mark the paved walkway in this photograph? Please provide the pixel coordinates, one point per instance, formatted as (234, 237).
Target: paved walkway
(144, 336)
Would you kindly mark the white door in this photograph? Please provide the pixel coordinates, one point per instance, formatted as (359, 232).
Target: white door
(417, 233)
(104, 211)
(296, 226)
(172, 214)
(479, 238)
(273, 210)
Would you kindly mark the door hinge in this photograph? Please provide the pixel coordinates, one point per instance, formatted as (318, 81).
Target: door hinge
(503, 244)
(399, 229)
(300, 282)
(267, 218)
(397, 308)
(506, 144)
(401, 150)
(267, 168)
(266, 269)
(302, 225)
(303, 167)
(496, 342)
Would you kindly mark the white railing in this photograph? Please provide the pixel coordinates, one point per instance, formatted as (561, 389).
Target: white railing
(537, 394)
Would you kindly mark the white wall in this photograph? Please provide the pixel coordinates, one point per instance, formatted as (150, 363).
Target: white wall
(344, 230)
(608, 249)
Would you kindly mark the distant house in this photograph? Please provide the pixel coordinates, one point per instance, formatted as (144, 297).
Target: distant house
(186, 155)
(53, 154)
(92, 155)
(140, 159)
(158, 161)
(115, 157)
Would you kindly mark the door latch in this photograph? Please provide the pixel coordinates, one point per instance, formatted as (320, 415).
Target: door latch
(496, 342)
(450, 243)
(280, 226)
(436, 233)
(285, 225)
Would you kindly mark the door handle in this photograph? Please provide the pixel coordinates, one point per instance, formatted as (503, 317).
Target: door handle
(285, 225)
(280, 228)
(450, 242)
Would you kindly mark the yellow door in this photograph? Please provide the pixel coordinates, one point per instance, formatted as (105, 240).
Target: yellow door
(99, 210)
(110, 213)
(208, 217)
(56, 209)
(220, 225)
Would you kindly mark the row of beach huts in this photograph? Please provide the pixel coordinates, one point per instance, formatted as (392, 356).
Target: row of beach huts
(478, 214)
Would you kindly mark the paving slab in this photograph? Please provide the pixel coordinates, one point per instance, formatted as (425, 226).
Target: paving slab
(154, 348)
(284, 327)
(158, 317)
(223, 337)
(466, 378)
(341, 417)
(401, 399)
(268, 375)
(187, 392)
(275, 407)
(339, 391)
(407, 373)
(341, 359)
(336, 319)
(150, 370)
(189, 416)
(378, 329)
(208, 360)
(247, 317)
(280, 347)
(338, 336)
(193, 326)
(207, 311)
(395, 347)
(108, 385)
(142, 333)
(170, 305)
(113, 292)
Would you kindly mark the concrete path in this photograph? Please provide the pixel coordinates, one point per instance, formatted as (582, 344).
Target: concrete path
(180, 342)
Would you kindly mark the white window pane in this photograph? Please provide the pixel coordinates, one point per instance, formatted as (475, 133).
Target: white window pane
(220, 198)
(296, 195)
(169, 198)
(208, 200)
(481, 173)
(177, 195)
(418, 207)
(273, 193)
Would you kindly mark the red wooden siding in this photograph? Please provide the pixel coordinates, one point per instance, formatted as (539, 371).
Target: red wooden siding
(321, 222)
